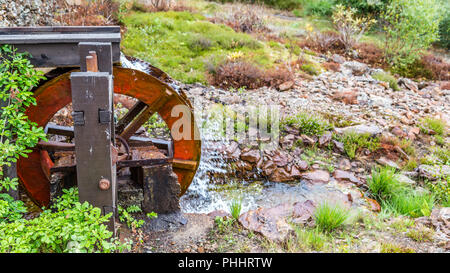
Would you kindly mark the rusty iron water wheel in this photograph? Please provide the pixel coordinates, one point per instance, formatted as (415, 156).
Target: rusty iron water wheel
(34, 172)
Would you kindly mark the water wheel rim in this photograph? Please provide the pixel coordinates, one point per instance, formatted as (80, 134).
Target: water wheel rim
(56, 94)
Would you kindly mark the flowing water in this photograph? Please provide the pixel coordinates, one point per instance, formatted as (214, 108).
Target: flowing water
(214, 186)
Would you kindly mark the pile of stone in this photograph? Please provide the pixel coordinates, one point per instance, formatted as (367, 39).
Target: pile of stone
(27, 13)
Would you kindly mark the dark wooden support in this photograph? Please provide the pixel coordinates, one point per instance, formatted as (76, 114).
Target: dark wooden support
(92, 93)
(58, 46)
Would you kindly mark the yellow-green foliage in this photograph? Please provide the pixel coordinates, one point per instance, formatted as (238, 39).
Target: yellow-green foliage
(386, 77)
(184, 44)
(436, 125)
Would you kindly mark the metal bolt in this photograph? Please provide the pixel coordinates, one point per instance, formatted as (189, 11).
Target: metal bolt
(104, 184)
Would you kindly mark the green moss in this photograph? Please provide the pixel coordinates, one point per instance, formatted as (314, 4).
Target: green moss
(386, 77)
(183, 43)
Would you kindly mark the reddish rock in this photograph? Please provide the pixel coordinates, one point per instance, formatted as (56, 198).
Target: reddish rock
(269, 167)
(347, 96)
(374, 206)
(280, 175)
(286, 86)
(345, 164)
(303, 212)
(346, 176)
(280, 159)
(302, 165)
(252, 156)
(319, 176)
(398, 131)
(295, 173)
(220, 213)
(308, 140)
(270, 222)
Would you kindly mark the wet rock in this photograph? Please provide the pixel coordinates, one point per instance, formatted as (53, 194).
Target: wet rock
(269, 167)
(280, 159)
(325, 139)
(303, 212)
(286, 86)
(252, 156)
(280, 175)
(346, 176)
(270, 222)
(434, 172)
(360, 129)
(295, 173)
(319, 176)
(231, 148)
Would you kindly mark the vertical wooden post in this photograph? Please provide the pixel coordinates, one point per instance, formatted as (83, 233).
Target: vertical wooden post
(92, 106)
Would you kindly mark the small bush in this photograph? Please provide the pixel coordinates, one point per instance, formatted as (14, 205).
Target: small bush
(244, 18)
(410, 28)
(370, 54)
(353, 142)
(386, 77)
(436, 66)
(281, 4)
(441, 190)
(323, 42)
(308, 123)
(421, 234)
(317, 7)
(349, 26)
(330, 217)
(444, 31)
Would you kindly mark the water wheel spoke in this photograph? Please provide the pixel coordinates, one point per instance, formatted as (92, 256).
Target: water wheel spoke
(143, 116)
(53, 146)
(130, 116)
(55, 129)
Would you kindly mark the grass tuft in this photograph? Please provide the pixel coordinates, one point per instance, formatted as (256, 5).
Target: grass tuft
(330, 217)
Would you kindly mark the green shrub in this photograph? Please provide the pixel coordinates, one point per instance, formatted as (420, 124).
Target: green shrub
(366, 7)
(441, 190)
(410, 28)
(386, 77)
(308, 123)
(73, 227)
(318, 7)
(353, 141)
(330, 217)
